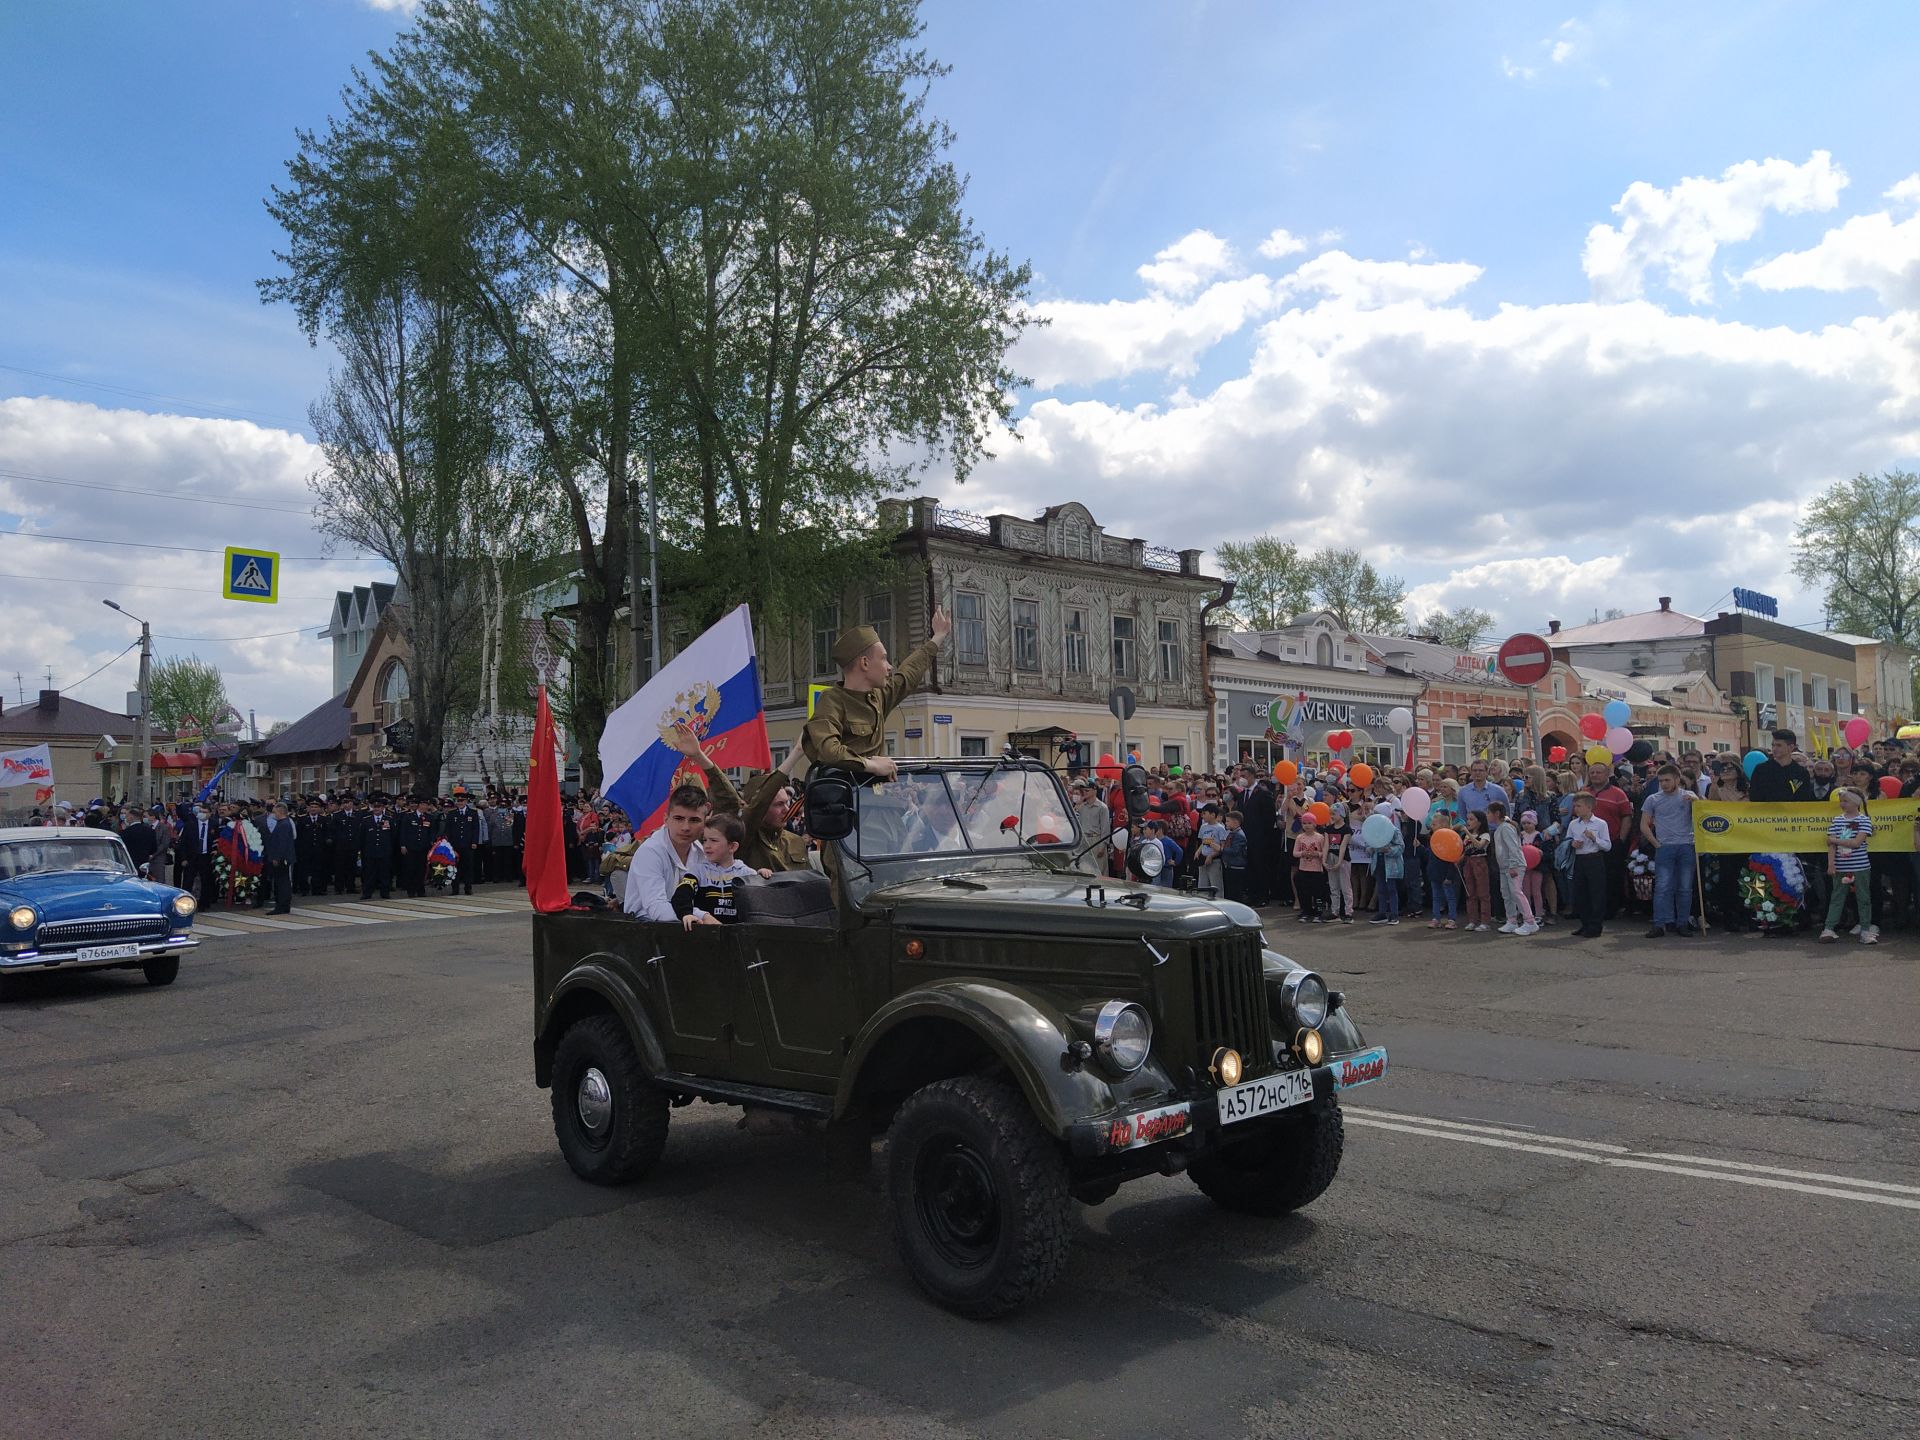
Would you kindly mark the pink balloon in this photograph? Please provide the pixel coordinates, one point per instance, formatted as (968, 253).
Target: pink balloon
(1858, 731)
(1532, 852)
(1619, 740)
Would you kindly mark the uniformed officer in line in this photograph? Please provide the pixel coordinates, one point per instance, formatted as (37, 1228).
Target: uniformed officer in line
(310, 851)
(461, 826)
(343, 837)
(379, 840)
(419, 826)
(848, 728)
(763, 810)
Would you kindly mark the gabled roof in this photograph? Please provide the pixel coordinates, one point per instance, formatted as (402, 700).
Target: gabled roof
(57, 716)
(325, 727)
(359, 607)
(1647, 625)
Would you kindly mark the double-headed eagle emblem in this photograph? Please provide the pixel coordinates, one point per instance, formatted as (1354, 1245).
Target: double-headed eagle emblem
(694, 708)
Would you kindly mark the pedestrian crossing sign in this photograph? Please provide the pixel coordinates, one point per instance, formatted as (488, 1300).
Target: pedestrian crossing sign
(252, 575)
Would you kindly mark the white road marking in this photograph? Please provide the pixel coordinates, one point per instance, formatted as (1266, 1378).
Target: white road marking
(354, 913)
(199, 929)
(1619, 1157)
(270, 922)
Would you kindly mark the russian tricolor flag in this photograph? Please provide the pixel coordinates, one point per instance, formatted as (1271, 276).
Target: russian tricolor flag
(713, 686)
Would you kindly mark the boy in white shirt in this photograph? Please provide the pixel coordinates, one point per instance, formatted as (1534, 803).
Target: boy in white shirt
(1213, 845)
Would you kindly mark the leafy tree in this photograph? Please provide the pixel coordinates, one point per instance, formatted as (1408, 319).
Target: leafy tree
(275, 728)
(1360, 597)
(720, 232)
(1861, 542)
(1461, 627)
(1271, 580)
(184, 687)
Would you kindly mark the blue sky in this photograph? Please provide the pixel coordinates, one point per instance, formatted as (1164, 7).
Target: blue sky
(1535, 431)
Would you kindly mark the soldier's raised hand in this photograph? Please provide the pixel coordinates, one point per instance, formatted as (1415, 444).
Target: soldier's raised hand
(942, 625)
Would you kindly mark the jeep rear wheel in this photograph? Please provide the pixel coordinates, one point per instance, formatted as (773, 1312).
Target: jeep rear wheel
(1277, 1172)
(611, 1124)
(978, 1191)
(161, 970)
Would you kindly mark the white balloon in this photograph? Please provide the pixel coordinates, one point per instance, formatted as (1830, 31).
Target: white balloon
(1400, 720)
(1416, 802)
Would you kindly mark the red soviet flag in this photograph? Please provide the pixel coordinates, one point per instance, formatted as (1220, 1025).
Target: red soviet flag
(546, 859)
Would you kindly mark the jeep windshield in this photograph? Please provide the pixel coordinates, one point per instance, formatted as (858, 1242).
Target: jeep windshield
(963, 812)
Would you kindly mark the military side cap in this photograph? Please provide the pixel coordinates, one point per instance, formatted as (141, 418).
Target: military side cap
(854, 643)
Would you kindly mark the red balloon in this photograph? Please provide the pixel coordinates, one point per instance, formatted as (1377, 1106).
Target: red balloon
(1339, 739)
(1889, 787)
(1334, 767)
(1532, 852)
(1107, 768)
(1594, 726)
(1557, 755)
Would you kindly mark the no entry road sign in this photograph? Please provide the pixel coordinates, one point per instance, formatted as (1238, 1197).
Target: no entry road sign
(1524, 660)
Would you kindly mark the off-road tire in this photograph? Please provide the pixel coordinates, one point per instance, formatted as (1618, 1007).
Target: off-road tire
(985, 1131)
(161, 970)
(635, 1134)
(1277, 1172)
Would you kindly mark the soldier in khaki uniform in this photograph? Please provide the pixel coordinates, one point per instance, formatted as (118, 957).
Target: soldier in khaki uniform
(763, 809)
(849, 721)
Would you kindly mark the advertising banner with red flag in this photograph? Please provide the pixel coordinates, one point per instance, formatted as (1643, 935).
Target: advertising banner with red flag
(546, 857)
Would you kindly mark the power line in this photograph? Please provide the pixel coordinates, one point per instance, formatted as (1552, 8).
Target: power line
(158, 494)
(189, 549)
(230, 639)
(94, 580)
(151, 395)
(122, 655)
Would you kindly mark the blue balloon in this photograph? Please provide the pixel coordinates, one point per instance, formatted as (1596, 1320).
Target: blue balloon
(1617, 714)
(1752, 760)
(1377, 832)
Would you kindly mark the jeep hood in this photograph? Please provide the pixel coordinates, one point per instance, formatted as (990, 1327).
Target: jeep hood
(1036, 902)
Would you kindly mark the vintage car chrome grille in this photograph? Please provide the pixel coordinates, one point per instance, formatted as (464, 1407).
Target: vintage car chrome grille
(87, 932)
(1230, 1001)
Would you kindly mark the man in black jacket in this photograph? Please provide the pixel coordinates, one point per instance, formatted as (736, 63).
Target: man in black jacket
(1783, 778)
(343, 835)
(198, 831)
(461, 826)
(379, 840)
(278, 847)
(419, 828)
(312, 851)
(137, 836)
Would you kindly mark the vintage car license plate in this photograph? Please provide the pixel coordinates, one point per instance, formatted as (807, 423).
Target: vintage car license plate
(1265, 1096)
(108, 952)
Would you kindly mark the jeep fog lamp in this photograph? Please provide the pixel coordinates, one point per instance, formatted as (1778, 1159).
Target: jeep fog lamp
(1312, 1047)
(1307, 997)
(183, 905)
(1122, 1036)
(21, 917)
(1226, 1066)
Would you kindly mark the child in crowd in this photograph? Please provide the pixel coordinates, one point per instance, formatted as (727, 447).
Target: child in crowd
(1443, 886)
(1473, 872)
(1535, 884)
(1213, 845)
(1511, 861)
(617, 834)
(719, 870)
(1850, 866)
(1233, 859)
(1389, 869)
(1359, 858)
(1310, 870)
(1339, 884)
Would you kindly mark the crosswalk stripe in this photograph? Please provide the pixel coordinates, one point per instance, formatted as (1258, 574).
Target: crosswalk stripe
(199, 929)
(395, 910)
(271, 922)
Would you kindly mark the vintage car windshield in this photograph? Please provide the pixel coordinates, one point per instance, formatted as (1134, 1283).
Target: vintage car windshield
(962, 811)
(61, 852)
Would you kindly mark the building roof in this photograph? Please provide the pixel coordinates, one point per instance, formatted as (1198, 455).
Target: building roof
(55, 716)
(1435, 662)
(325, 727)
(1647, 625)
(358, 608)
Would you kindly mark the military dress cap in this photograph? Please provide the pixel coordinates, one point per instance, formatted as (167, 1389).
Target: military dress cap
(854, 643)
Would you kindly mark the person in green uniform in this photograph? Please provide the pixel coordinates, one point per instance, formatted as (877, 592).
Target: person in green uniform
(848, 727)
(763, 810)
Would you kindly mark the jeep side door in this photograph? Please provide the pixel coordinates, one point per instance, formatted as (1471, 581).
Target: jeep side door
(707, 1024)
(798, 982)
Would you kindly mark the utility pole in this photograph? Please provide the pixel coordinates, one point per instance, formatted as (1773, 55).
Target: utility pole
(143, 757)
(633, 581)
(653, 565)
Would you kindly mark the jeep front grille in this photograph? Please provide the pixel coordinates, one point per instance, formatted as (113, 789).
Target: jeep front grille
(83, 932)
(1230, 1001)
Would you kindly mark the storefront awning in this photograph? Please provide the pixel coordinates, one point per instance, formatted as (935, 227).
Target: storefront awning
(175, 762)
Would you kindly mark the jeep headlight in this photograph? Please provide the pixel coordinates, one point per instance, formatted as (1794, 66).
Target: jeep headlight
(1122, 1036)
(183, 906)
(1306, 996)
(1149, 858)
(21, 917)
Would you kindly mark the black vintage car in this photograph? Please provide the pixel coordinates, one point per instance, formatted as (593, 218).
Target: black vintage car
(1026, 1034)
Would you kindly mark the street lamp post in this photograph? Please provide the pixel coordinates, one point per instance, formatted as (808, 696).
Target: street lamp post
(143, 757)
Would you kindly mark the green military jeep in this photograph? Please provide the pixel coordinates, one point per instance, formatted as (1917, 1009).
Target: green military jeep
(1025, 1033)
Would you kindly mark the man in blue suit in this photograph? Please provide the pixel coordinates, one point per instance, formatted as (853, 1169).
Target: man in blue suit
(278, 846)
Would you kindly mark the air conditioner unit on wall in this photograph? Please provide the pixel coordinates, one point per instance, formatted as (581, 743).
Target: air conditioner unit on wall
(256, 769)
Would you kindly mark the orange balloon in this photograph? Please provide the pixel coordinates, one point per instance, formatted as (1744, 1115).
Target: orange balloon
(1286, 772)
(1321, 812)
(1447, 846)
(1361, 775)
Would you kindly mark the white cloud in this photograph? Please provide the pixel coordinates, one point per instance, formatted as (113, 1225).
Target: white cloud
(1193, 259)
(1561, 52)
(1515, 71)
(405, 7)
(173, 464)
(1371, 283)
(1675, 233)
(1280, 244)
(1083, 343)
(1869, 252)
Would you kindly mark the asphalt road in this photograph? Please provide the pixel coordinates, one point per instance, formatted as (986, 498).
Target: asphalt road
(1661, 1189)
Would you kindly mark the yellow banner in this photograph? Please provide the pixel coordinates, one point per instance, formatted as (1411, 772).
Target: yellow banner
(1744, 828)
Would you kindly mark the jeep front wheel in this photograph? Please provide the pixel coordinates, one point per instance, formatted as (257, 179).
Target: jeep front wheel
(1276, 1172)
(978, 1190)
(611, 1124)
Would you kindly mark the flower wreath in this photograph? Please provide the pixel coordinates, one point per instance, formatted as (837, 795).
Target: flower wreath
(443, 864)
(1773, 888)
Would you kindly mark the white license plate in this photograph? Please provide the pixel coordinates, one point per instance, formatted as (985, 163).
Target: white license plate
(108, 952)
(1266, 1096)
